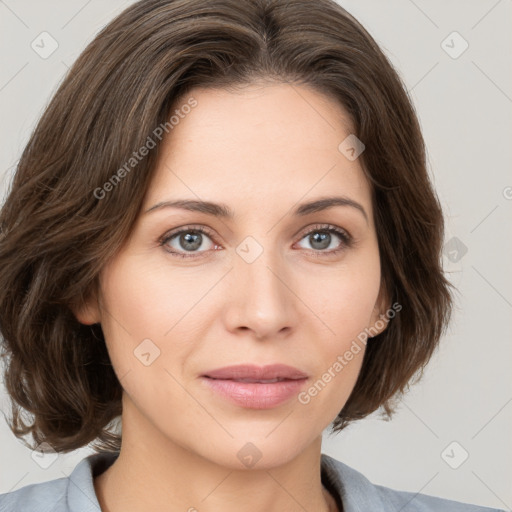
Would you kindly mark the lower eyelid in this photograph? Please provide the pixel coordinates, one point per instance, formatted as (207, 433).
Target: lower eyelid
(345, 240)
(167, 238)
(344, 236)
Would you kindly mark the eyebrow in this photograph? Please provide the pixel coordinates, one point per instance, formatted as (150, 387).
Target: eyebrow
(223, 211)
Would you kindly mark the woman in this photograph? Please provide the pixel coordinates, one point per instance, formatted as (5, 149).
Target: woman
(223, 233)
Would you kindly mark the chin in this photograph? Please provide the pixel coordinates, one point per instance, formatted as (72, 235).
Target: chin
(261, 451)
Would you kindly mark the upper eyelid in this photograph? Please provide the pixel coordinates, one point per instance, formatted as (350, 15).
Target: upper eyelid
(173, 232)
(210, 232)
(323, 226)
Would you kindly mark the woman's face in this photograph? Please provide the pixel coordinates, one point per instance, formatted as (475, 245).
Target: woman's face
(266, 286)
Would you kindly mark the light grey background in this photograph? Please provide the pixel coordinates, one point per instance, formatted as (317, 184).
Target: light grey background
(465, 107)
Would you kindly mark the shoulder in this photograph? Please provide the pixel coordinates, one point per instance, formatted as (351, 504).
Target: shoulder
(67, 494)
(44, 497)
(411, 501)
(357, 493)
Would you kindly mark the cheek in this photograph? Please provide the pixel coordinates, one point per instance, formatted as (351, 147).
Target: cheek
(144, 310)
(146, 298)
(345, 299)
(153, 314)
(138, 304)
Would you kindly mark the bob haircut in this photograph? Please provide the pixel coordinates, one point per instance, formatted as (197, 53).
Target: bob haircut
(58, 230)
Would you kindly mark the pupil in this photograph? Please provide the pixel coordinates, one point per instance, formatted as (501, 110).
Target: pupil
(191, 241)
(321, 238)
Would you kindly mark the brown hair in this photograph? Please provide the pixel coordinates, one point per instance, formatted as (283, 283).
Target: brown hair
(56, 235)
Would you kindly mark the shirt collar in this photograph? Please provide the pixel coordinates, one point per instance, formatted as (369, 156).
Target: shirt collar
(81, 494)
(352, 488)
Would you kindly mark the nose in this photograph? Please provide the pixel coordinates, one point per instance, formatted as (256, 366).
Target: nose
(260, 297)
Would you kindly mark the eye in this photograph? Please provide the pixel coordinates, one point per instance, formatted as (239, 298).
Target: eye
(323, 237)
(188, 239)
(191, 241)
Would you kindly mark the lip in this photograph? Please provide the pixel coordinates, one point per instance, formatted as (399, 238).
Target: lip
(227, 382)
(251, 371)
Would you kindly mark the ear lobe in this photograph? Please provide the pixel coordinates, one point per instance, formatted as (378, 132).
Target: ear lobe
(86, 311)
(379, 320)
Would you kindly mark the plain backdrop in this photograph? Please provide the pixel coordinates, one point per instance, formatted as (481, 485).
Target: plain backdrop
(451, 436)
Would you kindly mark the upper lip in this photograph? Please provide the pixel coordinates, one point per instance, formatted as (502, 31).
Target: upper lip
(251, 371)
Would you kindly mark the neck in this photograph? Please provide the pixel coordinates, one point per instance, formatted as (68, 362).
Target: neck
(155, 473)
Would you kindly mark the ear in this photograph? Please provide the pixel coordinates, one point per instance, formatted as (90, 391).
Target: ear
(87, 311)
(379, 320)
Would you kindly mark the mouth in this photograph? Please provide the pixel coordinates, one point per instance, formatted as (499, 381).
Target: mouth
(253, 373)
(256, 381)
(256, 387)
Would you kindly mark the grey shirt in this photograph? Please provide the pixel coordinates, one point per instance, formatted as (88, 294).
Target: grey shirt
(357, 494)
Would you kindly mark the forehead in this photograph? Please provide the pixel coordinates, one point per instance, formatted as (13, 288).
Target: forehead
(260, 144)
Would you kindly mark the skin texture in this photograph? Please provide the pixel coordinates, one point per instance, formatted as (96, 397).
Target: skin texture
(261, 150)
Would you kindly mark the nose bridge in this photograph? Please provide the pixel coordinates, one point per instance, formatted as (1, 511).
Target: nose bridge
(258, 267)
(261, 297)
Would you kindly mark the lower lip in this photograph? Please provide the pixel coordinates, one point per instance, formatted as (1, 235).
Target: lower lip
(253, 395)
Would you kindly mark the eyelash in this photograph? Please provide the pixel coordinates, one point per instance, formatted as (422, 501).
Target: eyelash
(346, 239)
